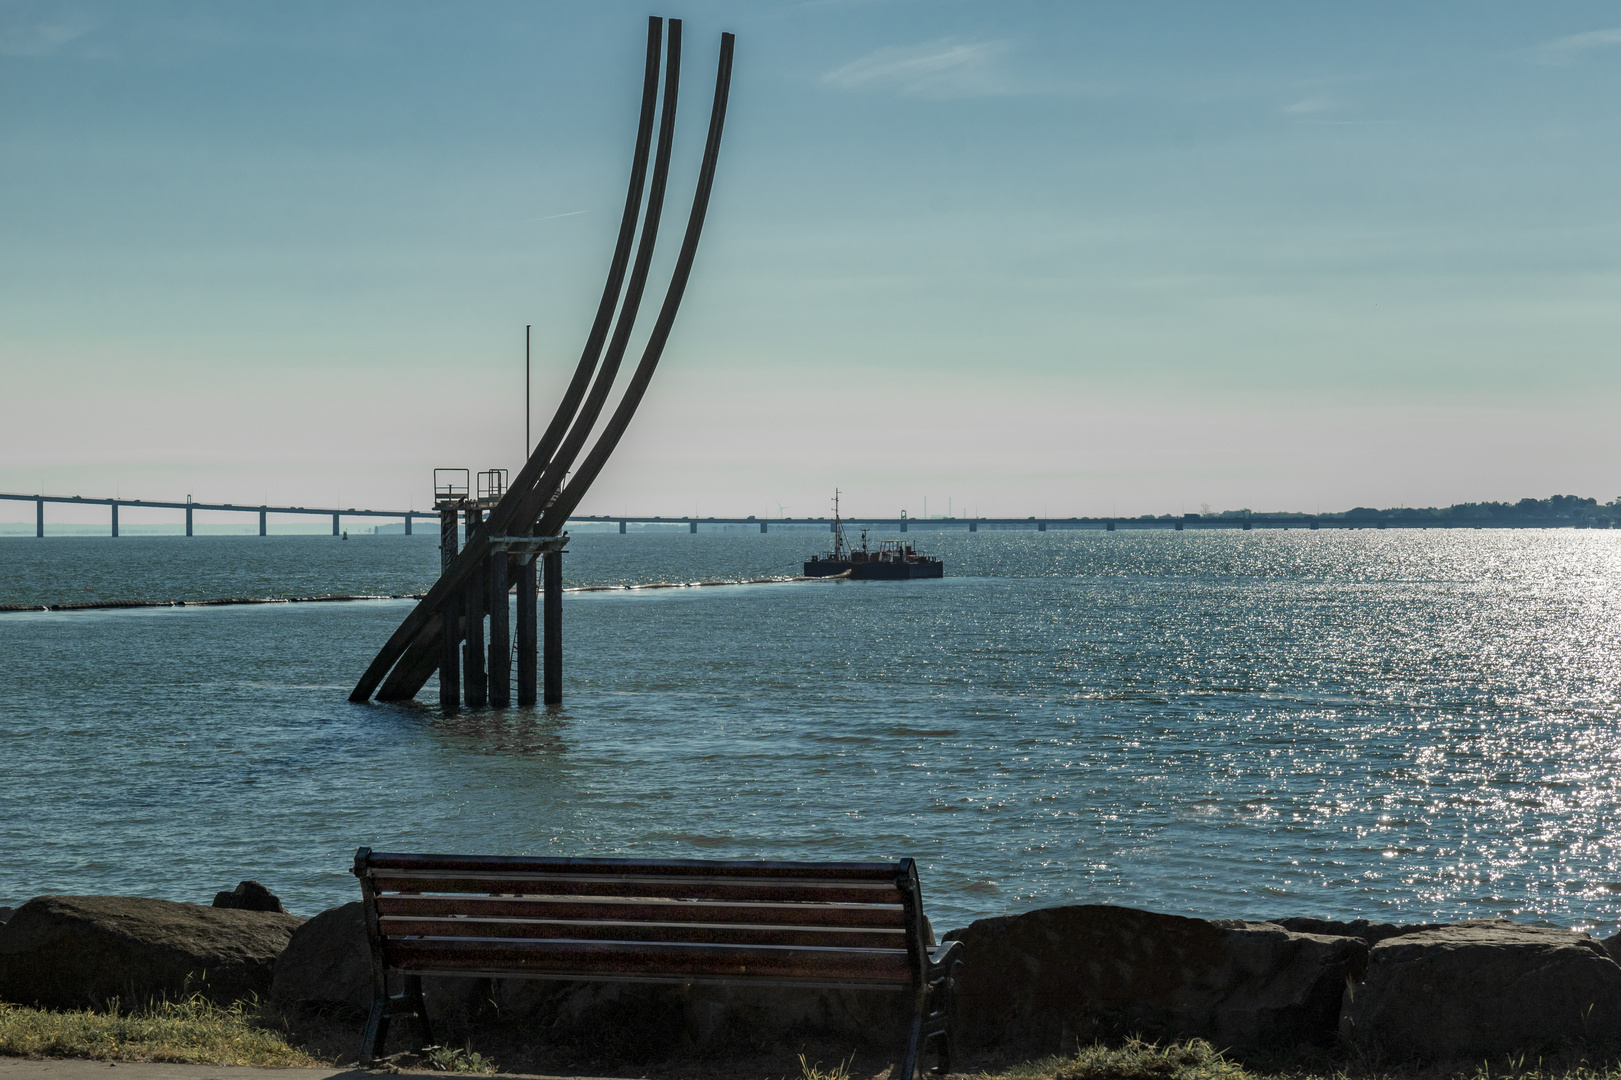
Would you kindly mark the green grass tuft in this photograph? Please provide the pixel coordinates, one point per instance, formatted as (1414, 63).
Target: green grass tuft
(194, 1031)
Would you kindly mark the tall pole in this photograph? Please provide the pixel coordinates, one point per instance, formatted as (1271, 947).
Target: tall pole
(527, 445)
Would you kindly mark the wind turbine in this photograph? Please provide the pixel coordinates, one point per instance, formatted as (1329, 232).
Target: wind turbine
(780, 508)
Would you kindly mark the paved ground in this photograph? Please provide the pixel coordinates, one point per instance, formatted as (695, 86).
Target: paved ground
(23, 1069)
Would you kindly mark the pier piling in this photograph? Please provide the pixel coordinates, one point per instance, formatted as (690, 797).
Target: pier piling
(528, 653)
(261, 521)
(621, 528)
(115, 519)
(552, 572)
(188, 515)
(476, 688)
(500, 661)
(39, 518)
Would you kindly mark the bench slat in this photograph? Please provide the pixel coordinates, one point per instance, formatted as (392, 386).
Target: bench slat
(863, 916)
(854, 871)
(684, 889)
(596, 930)
(587, 959)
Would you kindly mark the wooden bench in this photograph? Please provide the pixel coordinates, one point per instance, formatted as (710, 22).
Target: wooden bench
(839, 925)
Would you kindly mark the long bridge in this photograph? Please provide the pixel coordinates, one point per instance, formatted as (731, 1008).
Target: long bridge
(901, 523)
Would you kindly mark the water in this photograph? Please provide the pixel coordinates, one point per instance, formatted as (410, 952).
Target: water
(1399, 725)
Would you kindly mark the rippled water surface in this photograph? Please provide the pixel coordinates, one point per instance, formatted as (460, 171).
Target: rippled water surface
(1397, 725)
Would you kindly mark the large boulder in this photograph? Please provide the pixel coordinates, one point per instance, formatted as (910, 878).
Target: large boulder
(1483, 987)
(80, 951)
(327, 963)
(1047, 980)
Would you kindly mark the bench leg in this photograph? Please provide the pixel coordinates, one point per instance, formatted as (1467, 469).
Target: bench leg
(914, 1037)
(407, 1005)
(376, 1034)
(419, 1010)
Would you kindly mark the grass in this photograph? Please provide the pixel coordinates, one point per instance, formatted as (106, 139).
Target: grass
(194, 1031)
(1136, 1059)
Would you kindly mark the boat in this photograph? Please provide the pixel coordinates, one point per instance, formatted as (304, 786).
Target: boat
(892, 560)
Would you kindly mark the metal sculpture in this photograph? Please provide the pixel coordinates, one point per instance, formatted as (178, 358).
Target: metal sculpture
(525, 524)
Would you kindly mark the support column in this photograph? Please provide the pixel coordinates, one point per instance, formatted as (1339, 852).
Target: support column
(621, 528)
(903, 522)
(552, 568)
(407, 524)
(692, 526)
(973, 526)
(115, 519)
(261, 521)
(762, 526)
(450, 688)
(1109, 526)
(334, 524)
(39, 518)
(528, 654)
(188, 515)
(476, 687)
(500, 660)
(1041, 526)
(450, 639)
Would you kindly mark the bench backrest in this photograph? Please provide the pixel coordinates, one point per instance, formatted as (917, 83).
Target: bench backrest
(644, 920)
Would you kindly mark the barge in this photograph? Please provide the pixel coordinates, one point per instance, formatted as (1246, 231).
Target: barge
(892, 560)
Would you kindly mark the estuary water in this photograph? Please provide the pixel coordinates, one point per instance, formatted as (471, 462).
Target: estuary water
(1400, 725)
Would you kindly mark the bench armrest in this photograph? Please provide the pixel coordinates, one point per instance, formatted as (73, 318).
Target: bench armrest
(941, 957)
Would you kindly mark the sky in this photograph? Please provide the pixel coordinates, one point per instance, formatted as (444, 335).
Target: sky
(1010, 258)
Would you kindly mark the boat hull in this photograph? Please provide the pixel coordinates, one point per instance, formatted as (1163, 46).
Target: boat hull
(875, 570)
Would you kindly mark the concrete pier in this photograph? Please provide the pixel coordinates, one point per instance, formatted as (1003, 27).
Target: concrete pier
(39, 517)
(762, 526)
(115, 519)
(334, 524)
(188, 517)
(261, 521)
(693, 526)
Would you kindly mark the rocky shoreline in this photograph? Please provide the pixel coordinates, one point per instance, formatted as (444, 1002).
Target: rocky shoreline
(1042, 982)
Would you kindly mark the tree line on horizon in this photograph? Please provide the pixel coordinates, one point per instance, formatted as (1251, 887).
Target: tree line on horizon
(1554, 510)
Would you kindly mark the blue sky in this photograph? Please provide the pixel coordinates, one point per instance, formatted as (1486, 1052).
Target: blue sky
(1032, 258)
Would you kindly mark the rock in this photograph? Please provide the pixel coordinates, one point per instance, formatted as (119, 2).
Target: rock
(1048, 980)
(327, 963)
(1612, 945)
(326, 967)
(1483, 987)
(79, 951)
(6, 913)
(1371, 932)
(249, 896)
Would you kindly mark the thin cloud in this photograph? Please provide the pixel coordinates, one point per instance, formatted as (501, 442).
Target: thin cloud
(1307, 106)
(23, 35)
(938, 69)
(1562, 52)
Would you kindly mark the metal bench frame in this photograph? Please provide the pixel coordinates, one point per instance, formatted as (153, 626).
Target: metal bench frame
(652, 921)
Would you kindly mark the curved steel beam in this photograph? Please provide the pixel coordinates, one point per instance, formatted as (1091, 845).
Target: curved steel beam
(416, 623)
(558, 512)
(407, 679)
(570, 404)
(536, 499)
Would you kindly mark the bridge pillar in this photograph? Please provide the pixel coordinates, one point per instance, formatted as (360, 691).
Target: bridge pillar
(39, 517)
(528, 654)
(692, 525)
(552, 570)
(903, 523)
(1179, 526)
(476, 687)
(973, 526)
(188, 515)
(500, 660)
(762, 526)
(261, 521)
(334, 524)
(450, 690)
(407, 524)
(115, 519)
(1109, 526)
(1313, 524)
(621, 528)
(1041, 526)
